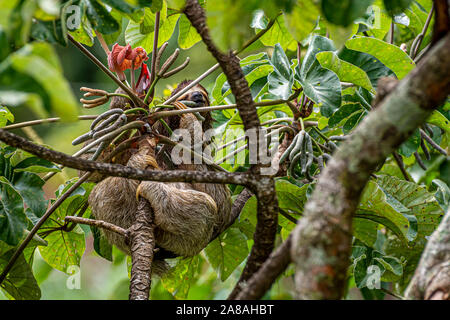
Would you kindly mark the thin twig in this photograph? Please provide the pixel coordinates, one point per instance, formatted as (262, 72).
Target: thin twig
(432, 143)
(163, 114)
(401, 165)
(102, 42)
(98, 223)
(421, 36)
(43, 121)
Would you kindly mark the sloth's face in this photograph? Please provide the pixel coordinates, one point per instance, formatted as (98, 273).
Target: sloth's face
(198, 95)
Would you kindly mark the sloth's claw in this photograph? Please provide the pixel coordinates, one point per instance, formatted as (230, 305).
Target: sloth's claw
(138, 191)
(179, 105)
(151, 161)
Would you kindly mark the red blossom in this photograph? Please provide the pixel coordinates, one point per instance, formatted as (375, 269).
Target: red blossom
(143, 82)
(121, 58)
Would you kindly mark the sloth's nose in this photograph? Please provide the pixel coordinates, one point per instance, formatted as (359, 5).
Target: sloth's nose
(197, 96)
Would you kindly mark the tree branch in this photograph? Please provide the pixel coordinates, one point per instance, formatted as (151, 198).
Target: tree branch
(142, 246)
(98, 223)
(322, 239)
(118, 170)
(263, 279)
(42, 121)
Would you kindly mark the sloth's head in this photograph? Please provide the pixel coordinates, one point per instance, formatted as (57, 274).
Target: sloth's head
(197, 94)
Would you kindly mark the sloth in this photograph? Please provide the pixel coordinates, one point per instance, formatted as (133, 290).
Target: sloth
(186, 215)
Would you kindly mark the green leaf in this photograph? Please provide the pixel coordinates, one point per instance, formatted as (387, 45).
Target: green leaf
(281, 79)
(83, 33)
(371, 65)
(343, 112)
(181, 277)
(134, 35)
(64, 248)
(4, 47)
(411, 145)
(5, 116)
(393, 269)
(390, 55)
(353, 121)
(20, 283)
(227, 251)
(396, 6)
(228, 23)
(424, 207)
(438, 119)
(442, 194)
(187, 36)
(375, 22)
(291, 198)
(374, 206)
(101, 245)
(308, 13)
(100, 18)
(344, 12)
(319, 84)
(29, 186)
(13, 221)
(279, 34)
(36, 165)
(50, 31)
(121, 5)
(346, 72)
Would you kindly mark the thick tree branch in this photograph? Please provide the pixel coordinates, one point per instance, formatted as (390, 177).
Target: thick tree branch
(322, 239)
(432, 277)
(142, 246)
(272, 268)
(261, 230)
(118, 170)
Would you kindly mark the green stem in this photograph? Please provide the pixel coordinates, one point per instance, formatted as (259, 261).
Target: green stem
(136, 110)
(150, 90)
(321, 134)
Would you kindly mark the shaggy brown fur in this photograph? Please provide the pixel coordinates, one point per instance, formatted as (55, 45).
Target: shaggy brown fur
(186, 214)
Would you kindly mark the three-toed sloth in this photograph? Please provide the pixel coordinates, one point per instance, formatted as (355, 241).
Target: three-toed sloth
(187, 215)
